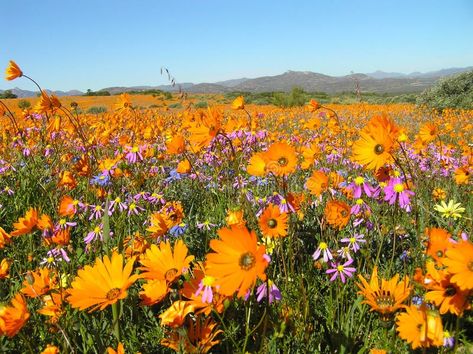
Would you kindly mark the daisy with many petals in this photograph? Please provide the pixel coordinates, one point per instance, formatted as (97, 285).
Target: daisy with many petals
(162, 263)
(13, 317)
(420, 327)
(281, 159)
(459, 262)
(26, 224)
(272, 222)
(237, 262)
(385, 297)
(102, 284)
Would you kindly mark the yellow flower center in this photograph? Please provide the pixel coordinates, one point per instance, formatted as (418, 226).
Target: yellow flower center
(113, 294)
(62, 222)
(135, 149)
(398, 187)
(352, 240)
(359, 201)
(208, 280)
(323, 246)
(170, 274)
(272, 223)
(340, 268)
(247, 261)
(97, 229)
(378, 149)
(359, 180)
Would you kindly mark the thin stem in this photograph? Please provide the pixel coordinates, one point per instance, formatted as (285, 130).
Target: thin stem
(116, 322)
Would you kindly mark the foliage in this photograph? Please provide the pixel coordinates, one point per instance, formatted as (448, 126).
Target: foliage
(24, 104)
(451, 92)
(97, 93)
(97, 110)
(7, 94)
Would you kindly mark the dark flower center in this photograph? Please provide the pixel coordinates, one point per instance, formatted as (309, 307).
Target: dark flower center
(272, 223)
(439, 253)
(282, 161)
(450, 291)
(247, 261)
(470, 266)
(113, 294)
(378, 149)
(170, 274)
(384, 299)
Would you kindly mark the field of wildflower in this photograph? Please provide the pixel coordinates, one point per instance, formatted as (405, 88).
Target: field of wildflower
(235, 228)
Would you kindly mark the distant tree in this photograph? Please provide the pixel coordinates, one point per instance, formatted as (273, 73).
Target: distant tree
(8, 94)
(452, 92)
(24, 104)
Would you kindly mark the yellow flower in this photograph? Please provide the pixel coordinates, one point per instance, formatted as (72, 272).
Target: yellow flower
(238, 103)
(103, 284)
(450, 210)
(13, 71)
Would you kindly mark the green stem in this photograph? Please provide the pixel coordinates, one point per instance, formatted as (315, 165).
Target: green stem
(116, 322)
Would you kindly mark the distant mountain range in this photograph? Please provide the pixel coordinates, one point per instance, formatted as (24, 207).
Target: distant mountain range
(378, 81)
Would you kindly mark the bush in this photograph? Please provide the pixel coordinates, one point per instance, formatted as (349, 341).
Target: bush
(97, 110)
(8, 94)
(96, 93)
(175, 105)
(201, 104)
(452, 92)
(24, 104)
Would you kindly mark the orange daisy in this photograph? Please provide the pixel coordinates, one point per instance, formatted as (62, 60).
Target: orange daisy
(176, 145)
(385, 297)
(443, 293)
(13, 71)
(26, 224)
(317, 183)
(373, 149)
(420, 327)
(199, 336)
(102, 284)
(164, 264)
(5, 268)
(238, 103)
(281, 159)
(272, 222)
(175, 315)
(38, 283)
(237, 262)
(68, 206)
(257, 165)
(5, 238)
(439, 242)
(459, 262)
(14, 317)
(337, 213)
(120, 349)
(428, 132)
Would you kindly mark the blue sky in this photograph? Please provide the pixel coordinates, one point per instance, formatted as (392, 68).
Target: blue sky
(81, 44)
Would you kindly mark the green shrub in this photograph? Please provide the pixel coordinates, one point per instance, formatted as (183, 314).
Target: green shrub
(97, 110)
(175, 105)
(7, 94)
(24, 104)
(452, 92)
(201, 104)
